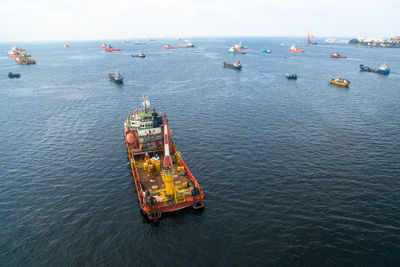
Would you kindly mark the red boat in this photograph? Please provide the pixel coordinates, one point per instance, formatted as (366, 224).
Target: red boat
(169, 47)
(109, 48)
(337, 55)
(163, 181)
(294, 49)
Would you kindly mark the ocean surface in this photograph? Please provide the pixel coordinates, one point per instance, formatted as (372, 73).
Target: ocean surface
(295, 173)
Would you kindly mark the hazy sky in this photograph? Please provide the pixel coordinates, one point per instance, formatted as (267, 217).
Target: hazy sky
(39, 20)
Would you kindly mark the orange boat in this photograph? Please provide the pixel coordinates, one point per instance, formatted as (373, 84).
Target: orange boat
(163, 181)
(294, 49)
(109, 48)
(169, 47)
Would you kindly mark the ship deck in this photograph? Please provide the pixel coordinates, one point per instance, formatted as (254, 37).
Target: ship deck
(151, 180)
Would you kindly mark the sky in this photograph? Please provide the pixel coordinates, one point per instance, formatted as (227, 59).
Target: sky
(63, 20)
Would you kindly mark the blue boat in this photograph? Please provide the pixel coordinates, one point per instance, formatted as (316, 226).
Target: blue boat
(267, 51)
(383, 69)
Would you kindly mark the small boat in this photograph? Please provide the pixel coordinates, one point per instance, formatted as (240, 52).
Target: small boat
(291, 75)
(66, 46)
(141, 54)
(116, 77)
(110, 48)
(232, 50)
(166, 46)
(186, 45)
(103, 45)
(236, 65)
(295, 50)
(13, 75)
(139, 43)
(267, 51)
(340, 82)
(383, 69)
(126, 41)
(25, 61)
(337, 55)
(240, 46)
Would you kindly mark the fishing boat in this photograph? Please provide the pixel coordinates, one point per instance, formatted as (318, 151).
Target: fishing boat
(163, 181)
(110, 48)
(116, 77)
(240, 46)
(337, 55)
(186, 45)
(139, 43)
(266, 51)
(141, 54)
(104, 45)
(66, 46)
(13, 75)
(166, 46)
(340, 82)
(295, 50)
(291, 75)
(21, 60)
(236, 65)
(383, 69)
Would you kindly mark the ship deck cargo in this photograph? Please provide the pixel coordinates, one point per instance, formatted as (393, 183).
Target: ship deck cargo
(163, 181)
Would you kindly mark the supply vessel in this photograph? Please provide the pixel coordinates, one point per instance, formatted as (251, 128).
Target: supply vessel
(163, 181)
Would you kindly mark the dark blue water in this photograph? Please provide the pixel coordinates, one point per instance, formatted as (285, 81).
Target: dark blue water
(295, 172)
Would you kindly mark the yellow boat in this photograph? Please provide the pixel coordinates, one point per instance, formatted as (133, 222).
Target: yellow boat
(340, 82)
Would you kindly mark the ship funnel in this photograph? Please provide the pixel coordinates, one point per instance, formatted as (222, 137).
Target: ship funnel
(146, 103)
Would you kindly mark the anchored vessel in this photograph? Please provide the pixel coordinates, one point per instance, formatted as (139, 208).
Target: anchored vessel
(13, 75)
(295, 50)
(163, 181)
(340, 82)
(383, 69)
(116, 77)
(291, 75)
(236, 65)
(337, 55)
(141, 54)
(110, 48)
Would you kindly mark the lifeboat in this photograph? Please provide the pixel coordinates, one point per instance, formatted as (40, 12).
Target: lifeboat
(337, 55)
(295, 50)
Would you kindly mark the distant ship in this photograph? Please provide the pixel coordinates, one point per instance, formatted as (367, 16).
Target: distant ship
(334, 41)
(186, 44)
(66, 46)
(337, 55)
(109, 48)
(240, 46)
(166, 46)
(310, 40)
(139, 43)
(294, 49)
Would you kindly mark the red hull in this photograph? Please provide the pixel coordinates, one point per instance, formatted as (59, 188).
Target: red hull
(112, 49)
(334, 56)
(170, 47)
(297, 50)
